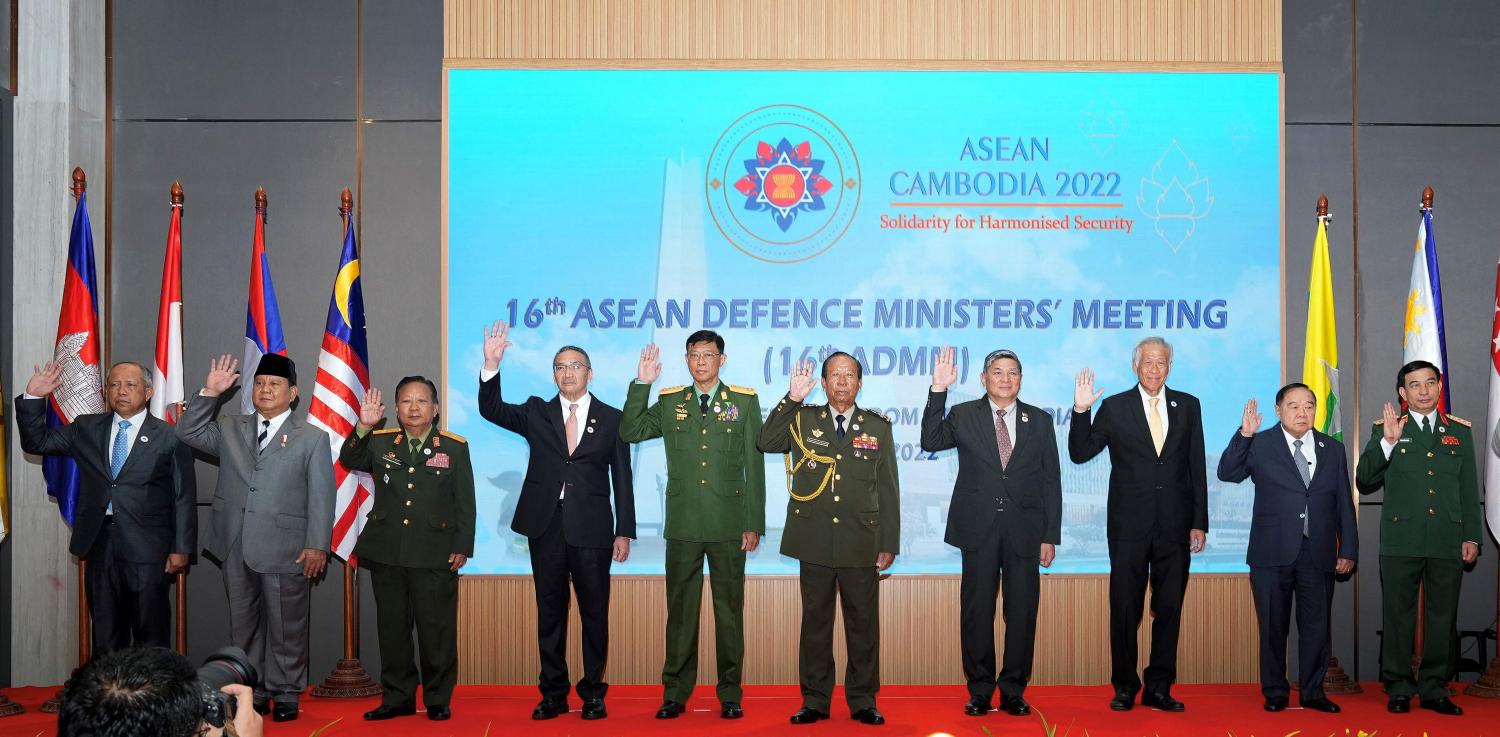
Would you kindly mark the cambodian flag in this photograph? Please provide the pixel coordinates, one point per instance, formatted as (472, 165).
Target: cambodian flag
(262, 317)
(77, 351)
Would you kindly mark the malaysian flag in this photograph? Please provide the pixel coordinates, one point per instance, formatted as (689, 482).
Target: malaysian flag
(77, 351)
(343, 378)
(262, 316)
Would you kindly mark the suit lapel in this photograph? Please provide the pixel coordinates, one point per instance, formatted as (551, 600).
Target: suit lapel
(555, 417)
(275, 443)
(984, 426)
(106, 438)
(142, 442)
(584, 423)
(1137, 414)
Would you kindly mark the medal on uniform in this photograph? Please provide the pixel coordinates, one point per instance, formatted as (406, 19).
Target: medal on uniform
(717, 408)
(817, 433)
(854, 427)
(385, 479)
(812, 465)
(426, 451)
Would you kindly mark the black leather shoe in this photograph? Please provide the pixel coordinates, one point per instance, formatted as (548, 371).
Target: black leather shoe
(384, 712)
(284, 712)
(670, 710)
(550, 709)
(977, 707)
(808, 715)
(1398, 704)
(1276, 703)
(1162, 701)
(439, 713)
(1123, 701)
(1444, 706)
(1321, 704)
(870, 716)
(731, 710)
(594, 709)
(1014, 706)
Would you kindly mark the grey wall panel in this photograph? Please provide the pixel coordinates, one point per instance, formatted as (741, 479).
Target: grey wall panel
(1428, 62)
(403, 52)
(1317, 61)
(272, 59)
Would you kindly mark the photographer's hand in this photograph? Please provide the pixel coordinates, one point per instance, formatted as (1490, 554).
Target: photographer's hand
(246, 722)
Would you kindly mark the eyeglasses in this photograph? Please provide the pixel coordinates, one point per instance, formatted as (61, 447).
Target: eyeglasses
(574, 366)
(695, 357)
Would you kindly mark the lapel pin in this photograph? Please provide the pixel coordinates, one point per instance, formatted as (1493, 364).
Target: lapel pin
(426, 451)
(1025, 417)
(283, 441)
(1442, 428)
(717, 408)
(592, 420)
(860, 418)
(1173, 403)
(1320, 443)
(590, 428)
(855, 426)
(386, 479)
(145, 439)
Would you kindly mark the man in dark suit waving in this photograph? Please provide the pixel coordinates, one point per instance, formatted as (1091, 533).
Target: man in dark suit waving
(135, 524)
(1302, 533)
(1006, 515)
(1157, 512)
(564, 510)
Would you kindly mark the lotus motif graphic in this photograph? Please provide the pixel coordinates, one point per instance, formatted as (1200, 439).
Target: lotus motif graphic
(1175, 196)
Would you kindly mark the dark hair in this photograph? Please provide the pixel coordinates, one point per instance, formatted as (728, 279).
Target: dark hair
(1414, 367)
(587, 363)
(859, 371)
(999, 354)
(133, 692)
(419, 379)
(1295, 385)
(706, 336)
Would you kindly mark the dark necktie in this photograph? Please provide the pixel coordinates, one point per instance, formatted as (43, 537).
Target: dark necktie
(1002, 438)
(839, 430)
(265, 430)
(703, 403)
(1301, 461)
(1426, 425)
(416, 444)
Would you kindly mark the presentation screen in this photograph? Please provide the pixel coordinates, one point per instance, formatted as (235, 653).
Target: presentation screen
(1064, 216)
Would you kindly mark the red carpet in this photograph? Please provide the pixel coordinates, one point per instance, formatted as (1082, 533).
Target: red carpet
(1074, 711)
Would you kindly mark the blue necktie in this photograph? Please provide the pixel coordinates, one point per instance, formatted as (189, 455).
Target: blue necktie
(121, 449)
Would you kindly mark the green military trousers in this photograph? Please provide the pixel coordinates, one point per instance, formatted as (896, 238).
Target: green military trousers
(726, 570)
(424, 599)
(1400, 577)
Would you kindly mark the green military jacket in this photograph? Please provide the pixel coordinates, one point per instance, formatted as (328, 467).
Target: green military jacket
(716, 478)
(845, 505)
(424, 501)
(1431, 504)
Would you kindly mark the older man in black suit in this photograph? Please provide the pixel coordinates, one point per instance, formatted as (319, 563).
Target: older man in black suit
(1302, 533)
(564, 510)
(1157, 512)
(1006, 516)
(134, 524)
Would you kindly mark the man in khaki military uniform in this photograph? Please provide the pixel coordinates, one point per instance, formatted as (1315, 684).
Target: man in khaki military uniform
(716, 509)
(843, 522)
(420, 532)
(1429, 529)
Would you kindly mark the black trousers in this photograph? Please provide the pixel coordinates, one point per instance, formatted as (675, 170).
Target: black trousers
(858, 590)
(128, 602)
(1021, 586)
(1274, 588)
(553, 563)
(1132, 563)
(425, 599)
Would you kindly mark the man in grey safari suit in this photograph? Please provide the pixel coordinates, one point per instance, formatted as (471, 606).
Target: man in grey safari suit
(272, 520)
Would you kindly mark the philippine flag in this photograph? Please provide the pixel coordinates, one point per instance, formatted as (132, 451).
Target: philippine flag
(1424, 329)
(262, 317)
(77, 351)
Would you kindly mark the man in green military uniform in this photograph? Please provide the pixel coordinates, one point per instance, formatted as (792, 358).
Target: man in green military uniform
(419, 533)
(716, 509)
(843, 523)
(1429, 529)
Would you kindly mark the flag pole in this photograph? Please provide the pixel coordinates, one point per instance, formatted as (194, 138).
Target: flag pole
(1488, 685)
(52, 705)
(181, 577)
(349, 680)
(1335, 680)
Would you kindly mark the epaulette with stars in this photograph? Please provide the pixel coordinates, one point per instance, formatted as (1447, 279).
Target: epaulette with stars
(1460, 420)
(887, 420)
(673, 389)
(741, 389)
(387, 431)
(452, 436)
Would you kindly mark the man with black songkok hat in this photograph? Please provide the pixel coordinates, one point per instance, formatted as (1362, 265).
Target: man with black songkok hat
(272, 519)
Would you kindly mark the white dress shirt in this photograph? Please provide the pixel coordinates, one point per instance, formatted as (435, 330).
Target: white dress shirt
(1308, 450)
(1009, 420)
(276, 423)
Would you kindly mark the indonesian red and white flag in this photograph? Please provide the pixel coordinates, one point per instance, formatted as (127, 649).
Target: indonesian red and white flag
(166, 373)
(1492, 456)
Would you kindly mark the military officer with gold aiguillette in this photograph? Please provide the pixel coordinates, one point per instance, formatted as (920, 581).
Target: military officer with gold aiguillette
(420, 532)
(843, 523)
(716, 509)
(1429, 530)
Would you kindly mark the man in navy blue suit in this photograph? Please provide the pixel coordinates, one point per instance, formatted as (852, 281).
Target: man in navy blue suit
(1303, 532)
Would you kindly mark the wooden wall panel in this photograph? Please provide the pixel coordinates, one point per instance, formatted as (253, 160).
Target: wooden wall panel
(918, 623)
(1242, 34)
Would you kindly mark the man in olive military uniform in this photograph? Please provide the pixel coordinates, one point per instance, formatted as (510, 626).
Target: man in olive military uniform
(843, 522)
(420, 532)
(716, 508)
(1429, 529)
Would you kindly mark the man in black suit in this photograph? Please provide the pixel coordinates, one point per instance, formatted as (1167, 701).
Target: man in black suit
(1157, 512)
(135, 524)
(1006, 515)
(1302, 533)
(564, 510)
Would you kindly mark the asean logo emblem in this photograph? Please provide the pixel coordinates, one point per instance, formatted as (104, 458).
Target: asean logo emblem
(783, 183)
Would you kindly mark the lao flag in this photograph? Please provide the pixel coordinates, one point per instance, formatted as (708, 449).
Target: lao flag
(262, 317)
(1424, 338)
(77, 351)
(343, 378)
(166, 373)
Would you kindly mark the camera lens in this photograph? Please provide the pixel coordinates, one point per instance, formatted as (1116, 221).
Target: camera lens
(227, 666)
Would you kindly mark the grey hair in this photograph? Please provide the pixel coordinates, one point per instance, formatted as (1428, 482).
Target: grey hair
(1156, 340)
(587, 363)
(145, 372)
(999, 354)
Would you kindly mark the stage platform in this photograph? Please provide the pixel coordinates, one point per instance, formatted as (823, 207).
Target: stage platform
(1073, 711)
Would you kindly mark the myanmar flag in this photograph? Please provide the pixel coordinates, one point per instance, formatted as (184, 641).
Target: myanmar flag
(1320, 360)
